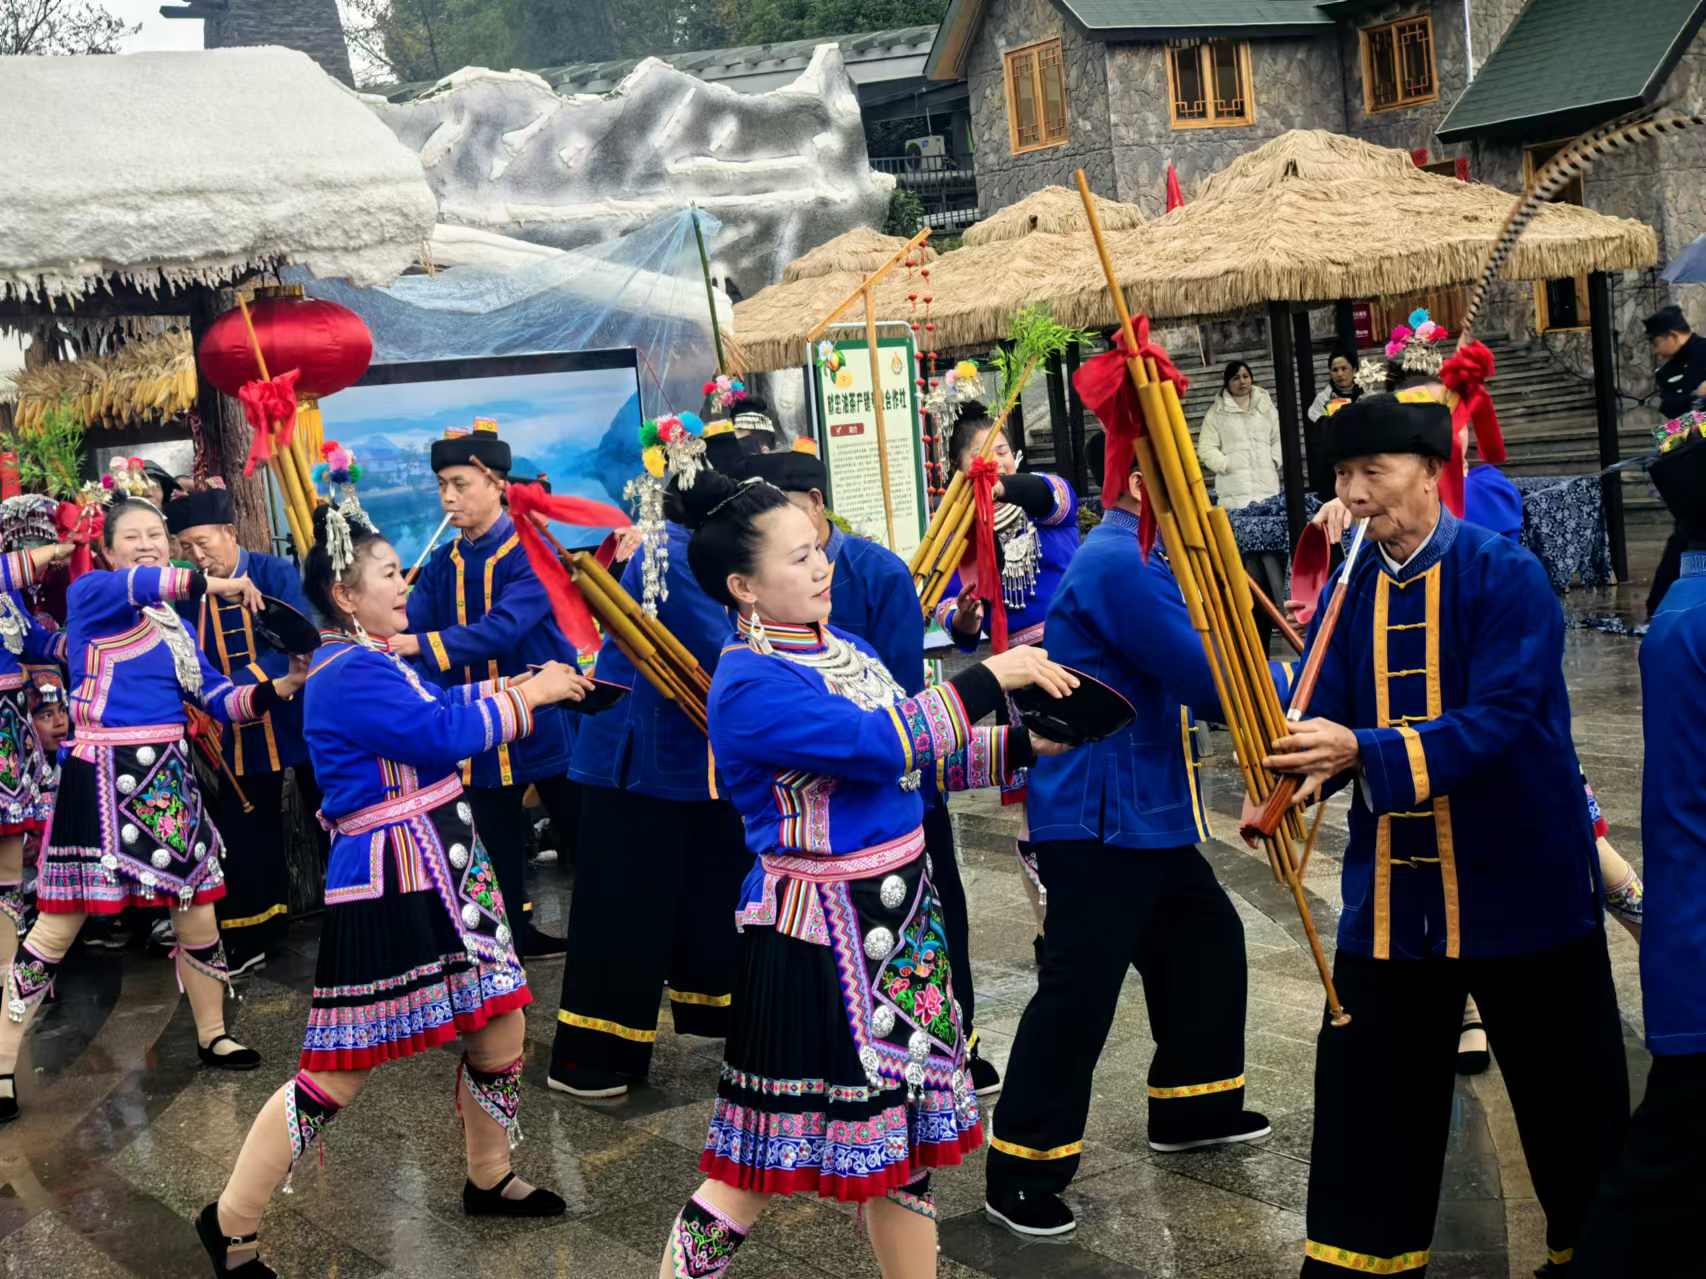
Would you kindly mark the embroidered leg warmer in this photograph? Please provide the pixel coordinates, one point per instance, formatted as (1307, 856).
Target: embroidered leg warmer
(489, 1124)
(12, 904)
(31, 978)
(290, 1123)
(917, 1198)
(702, 1241)
(203, 974)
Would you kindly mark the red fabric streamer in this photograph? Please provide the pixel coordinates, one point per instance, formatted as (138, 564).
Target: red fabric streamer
(1105, 386)
(531, 505)
(1466, 375)
(1175, 196)
(81, 525)
(270, 407)
(983, 475)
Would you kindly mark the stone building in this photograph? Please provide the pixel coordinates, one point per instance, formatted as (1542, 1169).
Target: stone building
(1484, 89)
(311, 26)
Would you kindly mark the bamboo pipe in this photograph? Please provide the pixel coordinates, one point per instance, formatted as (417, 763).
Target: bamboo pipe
(817, 330)
(581, 562)
(297, 512)
(415, 568)
(877, 408)
(1141, 379)
(639, 648)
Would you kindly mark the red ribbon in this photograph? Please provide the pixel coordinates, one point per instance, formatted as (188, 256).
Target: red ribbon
(987, 581)
(1105, 386)
(530, 505)
(1466, 375)
(82, 526)
(270, 407)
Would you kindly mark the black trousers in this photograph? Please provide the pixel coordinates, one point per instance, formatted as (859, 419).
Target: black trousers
(562, 800)
(1384, 1084)
(1650, 1208)
(1162, 912)
(500, 817)
(656, 886)
(951, 895)
(254, 914)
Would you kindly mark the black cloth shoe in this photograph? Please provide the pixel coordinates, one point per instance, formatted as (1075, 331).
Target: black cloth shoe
(219, 1245)
(9, 1105)
(1248, 1126)
(587, 1083)
(238, 1058)
(1030, 1212)
(985, 1079)
(538, 945)
(491, 1203)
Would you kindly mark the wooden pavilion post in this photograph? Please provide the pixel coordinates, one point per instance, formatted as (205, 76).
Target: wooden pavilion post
(1280, 337)
(226, 435)
(1605, 408)
(1060, 427)
(1075, 419)
(1305, 354)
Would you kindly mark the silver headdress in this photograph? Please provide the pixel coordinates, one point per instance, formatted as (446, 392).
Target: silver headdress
(673, 449)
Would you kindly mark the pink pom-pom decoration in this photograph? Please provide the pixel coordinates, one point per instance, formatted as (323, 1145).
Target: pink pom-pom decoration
(107, 482)
(338, 459)
(1402, 333)
(1394, 349)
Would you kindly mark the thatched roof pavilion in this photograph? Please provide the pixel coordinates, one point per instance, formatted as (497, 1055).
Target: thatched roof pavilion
(1051, 211)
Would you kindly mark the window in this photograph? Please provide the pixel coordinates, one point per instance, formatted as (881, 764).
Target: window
(1562, 303)
(1036, 97)
(1210, 84)
(1398, 65)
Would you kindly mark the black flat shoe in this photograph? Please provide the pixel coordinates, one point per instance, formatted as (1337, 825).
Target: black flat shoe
(1035, 1213)
(9, 1105)
(491, 1203)
(219, 1244)
(239, 1058)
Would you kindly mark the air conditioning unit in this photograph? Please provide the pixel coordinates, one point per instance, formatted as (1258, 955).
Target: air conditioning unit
(926, 153)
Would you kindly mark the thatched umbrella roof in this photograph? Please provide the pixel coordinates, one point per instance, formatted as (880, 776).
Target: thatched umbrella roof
(1308, 217)
(147, 380)
(857, 253)
(1052, 211)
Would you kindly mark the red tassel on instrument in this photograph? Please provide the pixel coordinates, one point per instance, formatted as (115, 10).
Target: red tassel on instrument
(1466, 375)
(529, 503)
(270, 407)
(1105, 387)
(983, 475)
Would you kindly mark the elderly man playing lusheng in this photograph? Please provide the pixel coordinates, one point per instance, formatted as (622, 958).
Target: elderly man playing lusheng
(1471, 866)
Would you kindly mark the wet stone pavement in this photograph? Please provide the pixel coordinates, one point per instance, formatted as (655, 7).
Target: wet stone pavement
(125, 1137)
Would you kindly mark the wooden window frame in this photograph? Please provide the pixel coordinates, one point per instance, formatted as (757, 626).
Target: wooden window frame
(1211, 121)
(1044, 141)
(1542, 318)
(1364, 39)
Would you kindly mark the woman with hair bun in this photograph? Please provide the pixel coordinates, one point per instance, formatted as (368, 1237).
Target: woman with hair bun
(416, 949)
(845, 1072)
(129, 827)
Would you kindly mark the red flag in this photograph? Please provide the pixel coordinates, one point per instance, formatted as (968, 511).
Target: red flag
(983, 474)
(529, 502)
(1175, 196)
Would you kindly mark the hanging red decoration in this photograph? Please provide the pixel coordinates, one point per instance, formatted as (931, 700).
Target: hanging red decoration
(328, 345)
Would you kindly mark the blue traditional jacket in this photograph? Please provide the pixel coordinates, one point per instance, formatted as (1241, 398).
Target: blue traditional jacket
(378, 734)
(872, 596)
(226, 633)
(645, 743)
(35, 644)
(1673, 816)
(823, 754)
(1124, 622)
(1469, 830)
(121, 670)
(1051, 515)
(482, 614)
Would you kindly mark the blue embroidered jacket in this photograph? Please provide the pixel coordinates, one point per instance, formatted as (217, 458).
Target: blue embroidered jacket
(226, 633)
(1124, 622)
(40, 646)
(1470, 833)
(644, 743)
(482, 614)
(825, 758)
(1673, 816)
(377, 732)
(872, 596)
(108, 637)
(1052, 508)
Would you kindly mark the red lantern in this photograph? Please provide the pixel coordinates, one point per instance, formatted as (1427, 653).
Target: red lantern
(327, 344)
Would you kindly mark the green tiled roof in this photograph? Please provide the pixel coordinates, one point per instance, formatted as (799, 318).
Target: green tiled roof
(1130, 19)
(1567, 65)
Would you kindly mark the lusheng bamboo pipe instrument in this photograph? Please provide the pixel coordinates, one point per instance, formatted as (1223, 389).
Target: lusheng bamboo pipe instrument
(420, 561)
(1204, 559)
(298, 493)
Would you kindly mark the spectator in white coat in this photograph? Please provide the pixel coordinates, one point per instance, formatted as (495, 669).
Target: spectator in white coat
(1240, 446)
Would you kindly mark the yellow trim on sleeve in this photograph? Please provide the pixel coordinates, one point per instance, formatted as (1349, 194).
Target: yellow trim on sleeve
(249, 921)
(1418, 762)
(438, 653)
(607, 1027)
(1025, 1152)
(1363, 1262)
